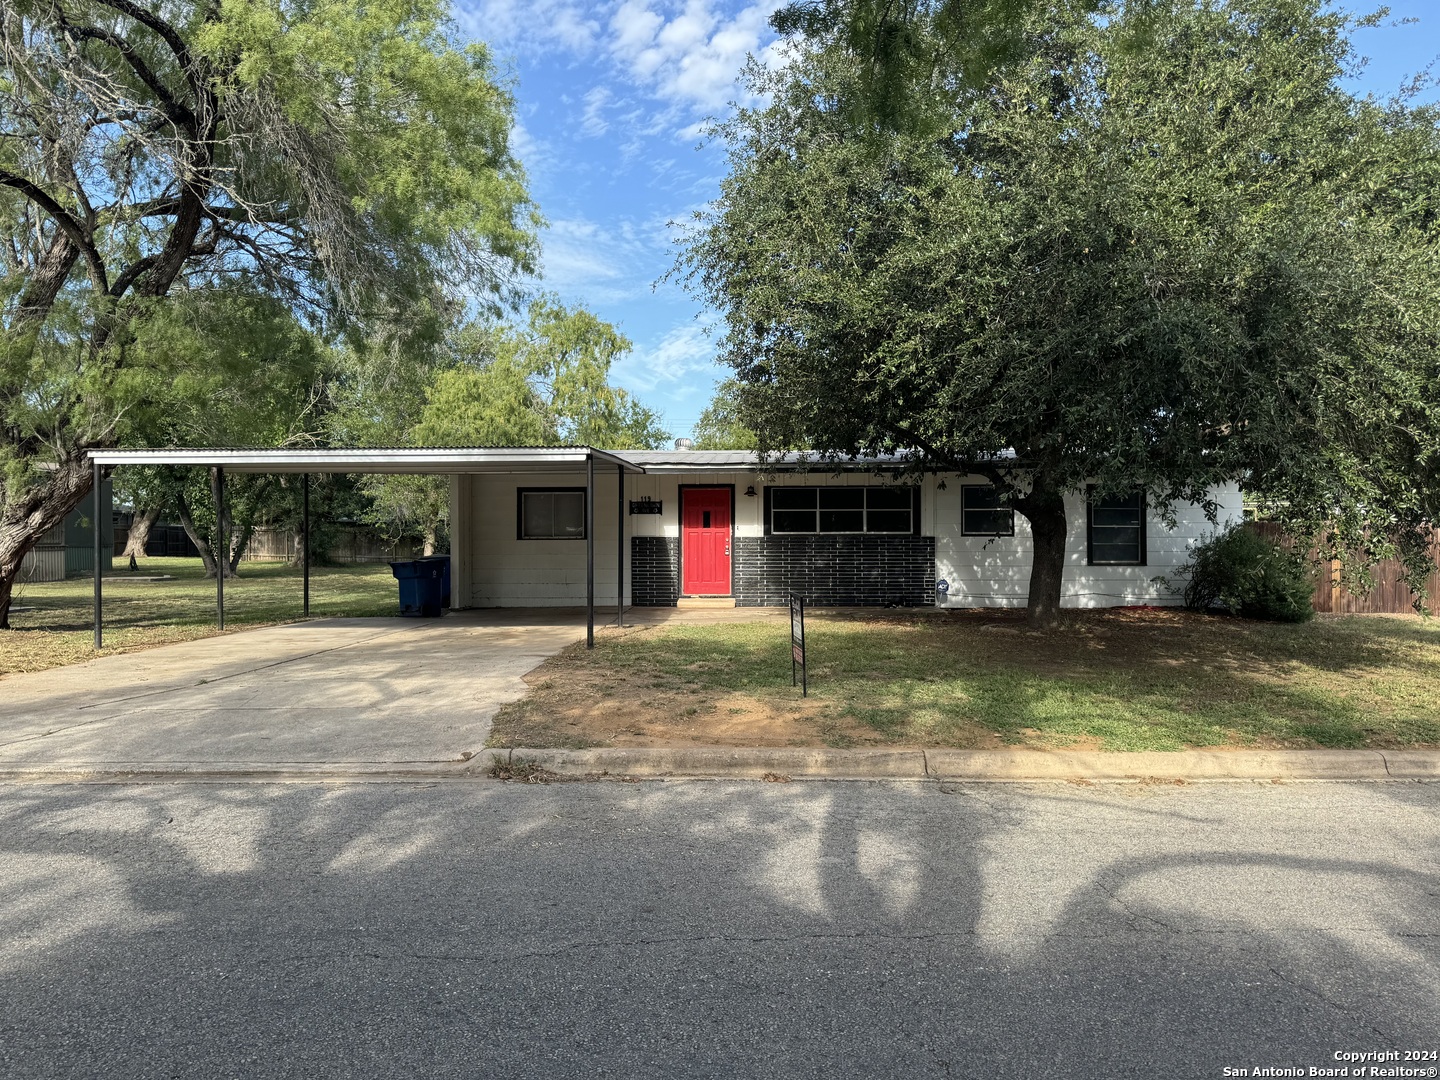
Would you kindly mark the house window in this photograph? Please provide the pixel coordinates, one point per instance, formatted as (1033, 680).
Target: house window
(551, 514)
(1116, 529)
(981, 513)
(842, 510)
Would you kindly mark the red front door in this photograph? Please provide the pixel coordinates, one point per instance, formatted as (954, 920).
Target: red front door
(705, 541)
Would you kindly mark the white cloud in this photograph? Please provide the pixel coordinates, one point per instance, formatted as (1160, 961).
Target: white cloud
(686, 55)
(598, 264)
(593, 122)
(510, 24)
(683, 353)
(534, 154)
(694, 57)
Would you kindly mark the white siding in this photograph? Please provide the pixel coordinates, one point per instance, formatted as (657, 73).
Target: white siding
(985, 572)
(504, 571)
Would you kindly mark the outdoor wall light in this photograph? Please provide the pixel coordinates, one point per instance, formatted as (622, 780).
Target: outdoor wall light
(750, 491)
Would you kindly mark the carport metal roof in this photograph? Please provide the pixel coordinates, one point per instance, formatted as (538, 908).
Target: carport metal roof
(433, 460)
(408, 459)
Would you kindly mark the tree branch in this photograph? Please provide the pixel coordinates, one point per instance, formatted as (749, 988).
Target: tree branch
(176, 110)
(77, 233)
(155, 23)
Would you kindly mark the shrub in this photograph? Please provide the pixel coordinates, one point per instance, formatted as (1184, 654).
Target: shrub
(1246, 574)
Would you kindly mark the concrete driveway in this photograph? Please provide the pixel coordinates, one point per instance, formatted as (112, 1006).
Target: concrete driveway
(333, 692)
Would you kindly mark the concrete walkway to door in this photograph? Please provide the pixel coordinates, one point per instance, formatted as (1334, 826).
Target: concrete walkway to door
(332, 693)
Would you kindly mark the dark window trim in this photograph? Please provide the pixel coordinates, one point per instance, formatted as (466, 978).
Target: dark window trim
(768, 508)
(1144, 559)
(966, 532)
(521, 492)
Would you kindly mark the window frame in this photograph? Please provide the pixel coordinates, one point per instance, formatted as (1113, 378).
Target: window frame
(768, 509)
(965, 531)
(521, 492)
(1144, 544)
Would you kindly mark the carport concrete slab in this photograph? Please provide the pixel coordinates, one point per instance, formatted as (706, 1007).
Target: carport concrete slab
(332, 691)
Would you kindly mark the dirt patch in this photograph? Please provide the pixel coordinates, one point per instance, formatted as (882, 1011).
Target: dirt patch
(575, 705)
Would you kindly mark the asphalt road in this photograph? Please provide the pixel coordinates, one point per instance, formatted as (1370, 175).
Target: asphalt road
(714, 929)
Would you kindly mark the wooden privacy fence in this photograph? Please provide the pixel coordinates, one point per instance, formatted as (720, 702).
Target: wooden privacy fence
(1389, 596)
(354, 544)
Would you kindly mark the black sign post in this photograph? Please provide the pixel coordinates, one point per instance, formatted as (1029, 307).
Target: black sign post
(797, 644)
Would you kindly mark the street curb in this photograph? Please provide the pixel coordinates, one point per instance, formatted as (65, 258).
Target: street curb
(986, 765)
(792, 763)
(723, 762)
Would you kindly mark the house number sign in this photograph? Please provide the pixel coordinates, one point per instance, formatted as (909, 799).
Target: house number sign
(646, 505)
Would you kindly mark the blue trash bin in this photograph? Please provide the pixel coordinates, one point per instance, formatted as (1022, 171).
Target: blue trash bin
(420, 587)
(443, 562)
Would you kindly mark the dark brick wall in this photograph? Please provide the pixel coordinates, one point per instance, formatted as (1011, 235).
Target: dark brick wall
(654, 571)
(834, 570)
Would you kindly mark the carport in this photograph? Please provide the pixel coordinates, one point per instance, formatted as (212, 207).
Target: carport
(453, 462)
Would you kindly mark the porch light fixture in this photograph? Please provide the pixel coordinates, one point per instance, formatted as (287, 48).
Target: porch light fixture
(750, 491)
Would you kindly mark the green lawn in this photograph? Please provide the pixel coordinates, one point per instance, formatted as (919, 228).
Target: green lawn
(138, 614)
(1144, 680)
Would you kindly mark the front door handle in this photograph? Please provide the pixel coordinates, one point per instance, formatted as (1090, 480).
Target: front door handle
(727, 549)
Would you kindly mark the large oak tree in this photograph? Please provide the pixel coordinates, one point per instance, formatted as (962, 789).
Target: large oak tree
(1159, 247)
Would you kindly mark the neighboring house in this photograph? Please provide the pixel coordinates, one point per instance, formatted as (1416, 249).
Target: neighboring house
(710, 524)
(68, 549)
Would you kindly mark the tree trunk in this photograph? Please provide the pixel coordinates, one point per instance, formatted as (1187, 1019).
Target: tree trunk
(222, 546)
(140, 526)
(34, 513)
(1044, 508)
(431, 539)
(302, 540)
(187, 522)
(237, 550)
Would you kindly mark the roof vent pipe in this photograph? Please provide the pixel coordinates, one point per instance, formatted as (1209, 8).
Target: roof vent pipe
(684, 444)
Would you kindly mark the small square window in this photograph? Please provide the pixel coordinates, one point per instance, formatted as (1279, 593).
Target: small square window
(1116, 532)
(981, 513)
(551, 514)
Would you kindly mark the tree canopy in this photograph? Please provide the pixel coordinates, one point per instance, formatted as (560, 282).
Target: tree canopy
(1159, 247)
(497, 383)
(351, 161)
(720, 426)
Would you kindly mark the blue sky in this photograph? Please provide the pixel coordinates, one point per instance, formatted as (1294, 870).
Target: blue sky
(611, 98)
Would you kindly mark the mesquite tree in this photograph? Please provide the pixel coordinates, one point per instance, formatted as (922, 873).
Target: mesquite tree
(1161, 248)
(347, 160)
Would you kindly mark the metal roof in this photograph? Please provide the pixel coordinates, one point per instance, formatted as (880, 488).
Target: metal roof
(479, 459)
(409, 459)
(733, 460)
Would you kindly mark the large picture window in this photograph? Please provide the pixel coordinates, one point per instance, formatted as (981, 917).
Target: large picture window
(981, 513)
(792, 510)
(1116, 529)
(551, 514)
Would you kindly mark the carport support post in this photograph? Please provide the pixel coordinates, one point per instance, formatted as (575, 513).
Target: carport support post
(620, 546)
(590, 551)
(220, 547)
(305, 533)
(95, 479)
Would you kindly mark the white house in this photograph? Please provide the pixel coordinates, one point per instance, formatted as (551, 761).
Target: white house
(706, 524)
(571, 526)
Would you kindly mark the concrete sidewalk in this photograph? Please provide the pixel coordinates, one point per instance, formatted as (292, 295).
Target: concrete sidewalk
(330, 694)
